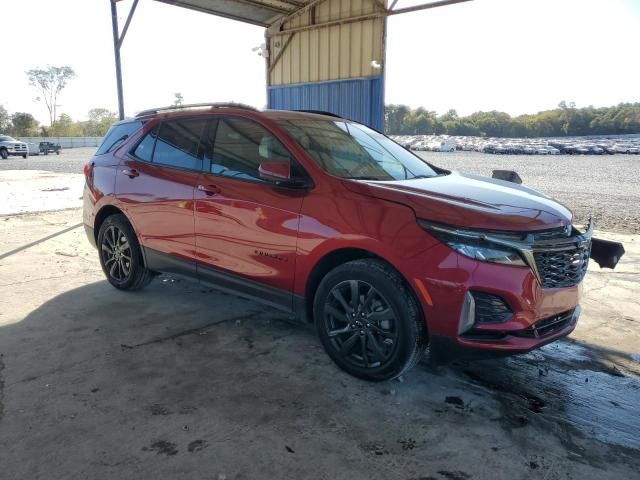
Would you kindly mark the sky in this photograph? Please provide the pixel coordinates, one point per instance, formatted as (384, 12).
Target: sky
(517, 56)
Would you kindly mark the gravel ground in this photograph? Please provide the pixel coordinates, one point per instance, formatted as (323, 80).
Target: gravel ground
(603, 187)
(69, 161)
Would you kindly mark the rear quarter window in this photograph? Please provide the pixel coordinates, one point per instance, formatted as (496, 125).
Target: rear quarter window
(117, 134)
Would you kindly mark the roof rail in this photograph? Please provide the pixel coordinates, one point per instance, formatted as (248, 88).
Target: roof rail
(171, 108)
(320, 112)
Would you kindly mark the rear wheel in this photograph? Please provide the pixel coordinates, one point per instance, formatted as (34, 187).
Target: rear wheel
(368, 321)
(120, 254)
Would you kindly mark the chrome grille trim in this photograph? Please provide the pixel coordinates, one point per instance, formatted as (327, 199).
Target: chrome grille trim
(530, 244)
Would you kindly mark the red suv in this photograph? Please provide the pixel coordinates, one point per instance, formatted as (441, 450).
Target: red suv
(334, 222)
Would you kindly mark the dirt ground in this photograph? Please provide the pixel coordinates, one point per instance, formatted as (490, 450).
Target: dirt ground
(179, 381)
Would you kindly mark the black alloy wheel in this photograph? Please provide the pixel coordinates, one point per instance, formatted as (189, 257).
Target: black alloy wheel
(120, 254)
(368, 320)
(116, 253)
(360, 324)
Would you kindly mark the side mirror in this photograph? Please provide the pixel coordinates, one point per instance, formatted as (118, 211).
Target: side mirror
(508, 175)
(275, 171)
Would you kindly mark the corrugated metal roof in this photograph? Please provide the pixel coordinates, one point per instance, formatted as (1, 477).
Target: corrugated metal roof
(258, 12)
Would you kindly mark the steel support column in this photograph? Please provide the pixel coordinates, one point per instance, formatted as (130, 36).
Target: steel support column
(117, 44)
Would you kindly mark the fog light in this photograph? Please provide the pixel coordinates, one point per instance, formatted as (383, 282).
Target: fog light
(468, 314)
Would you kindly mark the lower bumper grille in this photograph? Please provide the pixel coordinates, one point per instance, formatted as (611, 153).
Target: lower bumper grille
(547, 326)
(490, 308)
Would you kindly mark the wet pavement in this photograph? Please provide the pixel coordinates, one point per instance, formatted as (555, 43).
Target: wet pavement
(568, 384)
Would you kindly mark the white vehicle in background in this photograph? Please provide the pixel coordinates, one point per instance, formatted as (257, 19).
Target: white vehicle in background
(443, 146)
(9, 146)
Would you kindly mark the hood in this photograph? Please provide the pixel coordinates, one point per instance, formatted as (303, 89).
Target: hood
(471, 201)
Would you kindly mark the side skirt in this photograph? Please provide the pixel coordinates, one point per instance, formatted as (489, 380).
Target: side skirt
(223, 281)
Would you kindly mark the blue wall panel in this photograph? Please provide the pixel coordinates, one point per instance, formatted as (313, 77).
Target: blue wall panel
(359, 99)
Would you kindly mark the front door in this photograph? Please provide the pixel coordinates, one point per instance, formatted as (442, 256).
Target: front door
(155, 185)
(246, 227)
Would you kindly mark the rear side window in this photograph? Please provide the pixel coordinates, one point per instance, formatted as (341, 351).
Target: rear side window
(178, 144)
(144, 150)
(240, 146)
(116, 135)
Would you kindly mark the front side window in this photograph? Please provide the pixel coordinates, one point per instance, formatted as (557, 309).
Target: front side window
(178, 143)
(116, 135)
(350, 150)
(241, 145)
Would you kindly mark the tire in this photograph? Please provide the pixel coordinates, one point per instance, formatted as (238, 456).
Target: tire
(57, 152)
(120, 254)
(24, 156)
(379, 336)
(4, 154)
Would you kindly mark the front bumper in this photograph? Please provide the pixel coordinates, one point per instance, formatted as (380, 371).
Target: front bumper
(443, 350)
(17, 153)
(530, 323)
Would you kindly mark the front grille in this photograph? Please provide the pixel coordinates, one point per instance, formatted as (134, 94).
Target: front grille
(547, 326)
(565, 268)
(490, 308)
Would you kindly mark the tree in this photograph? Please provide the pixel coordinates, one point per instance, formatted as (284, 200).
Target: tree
(23, 125)
(451, 115)
(50, 81)
(5, 120)
(64, 126)
(100, 119)
(178, 99)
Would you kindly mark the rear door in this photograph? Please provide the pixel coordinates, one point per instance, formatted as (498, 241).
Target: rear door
(246, 227)
(155, 183)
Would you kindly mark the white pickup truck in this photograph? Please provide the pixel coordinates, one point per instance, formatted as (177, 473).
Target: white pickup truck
(11, 146)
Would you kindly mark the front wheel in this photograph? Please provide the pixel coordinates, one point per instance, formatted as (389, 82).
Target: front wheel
(368, 321)
(4, 154)
(120, 254)
(24, 156)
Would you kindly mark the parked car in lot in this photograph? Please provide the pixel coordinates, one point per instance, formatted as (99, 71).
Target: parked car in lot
(49, 147)
(333, 222)
(9, 146)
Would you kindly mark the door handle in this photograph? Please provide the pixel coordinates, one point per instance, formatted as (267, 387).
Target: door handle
(131, 172)
(208, 189)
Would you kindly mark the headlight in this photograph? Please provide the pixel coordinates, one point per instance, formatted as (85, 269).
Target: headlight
(473, 244)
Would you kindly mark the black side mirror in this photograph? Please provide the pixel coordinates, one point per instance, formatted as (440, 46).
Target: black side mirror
(507, 175)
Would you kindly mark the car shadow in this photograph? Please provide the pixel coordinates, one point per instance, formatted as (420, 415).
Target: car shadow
(122, 378)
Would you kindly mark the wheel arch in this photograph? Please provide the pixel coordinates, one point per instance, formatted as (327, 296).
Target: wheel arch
(337, 257)
(101, 216)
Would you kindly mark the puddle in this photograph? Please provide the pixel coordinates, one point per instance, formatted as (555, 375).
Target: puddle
(593, 391)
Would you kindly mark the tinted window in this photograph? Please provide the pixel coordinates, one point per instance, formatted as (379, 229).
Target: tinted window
(116, 135)
(144, 150)
(240, 146)
(178, 143)
(351, 150)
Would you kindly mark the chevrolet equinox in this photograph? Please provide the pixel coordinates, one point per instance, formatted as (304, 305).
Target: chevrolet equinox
(335, 223)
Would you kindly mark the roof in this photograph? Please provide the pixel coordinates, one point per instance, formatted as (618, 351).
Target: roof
(257, 12)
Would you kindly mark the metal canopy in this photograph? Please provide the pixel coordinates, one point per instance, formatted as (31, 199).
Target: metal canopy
(271, 14)
(257, 12)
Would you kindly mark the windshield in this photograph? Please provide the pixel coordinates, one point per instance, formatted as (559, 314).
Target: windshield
(5, 138)
(351, 150)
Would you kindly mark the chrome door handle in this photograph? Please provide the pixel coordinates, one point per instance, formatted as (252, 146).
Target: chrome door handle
(208, 189)
(131, 172)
